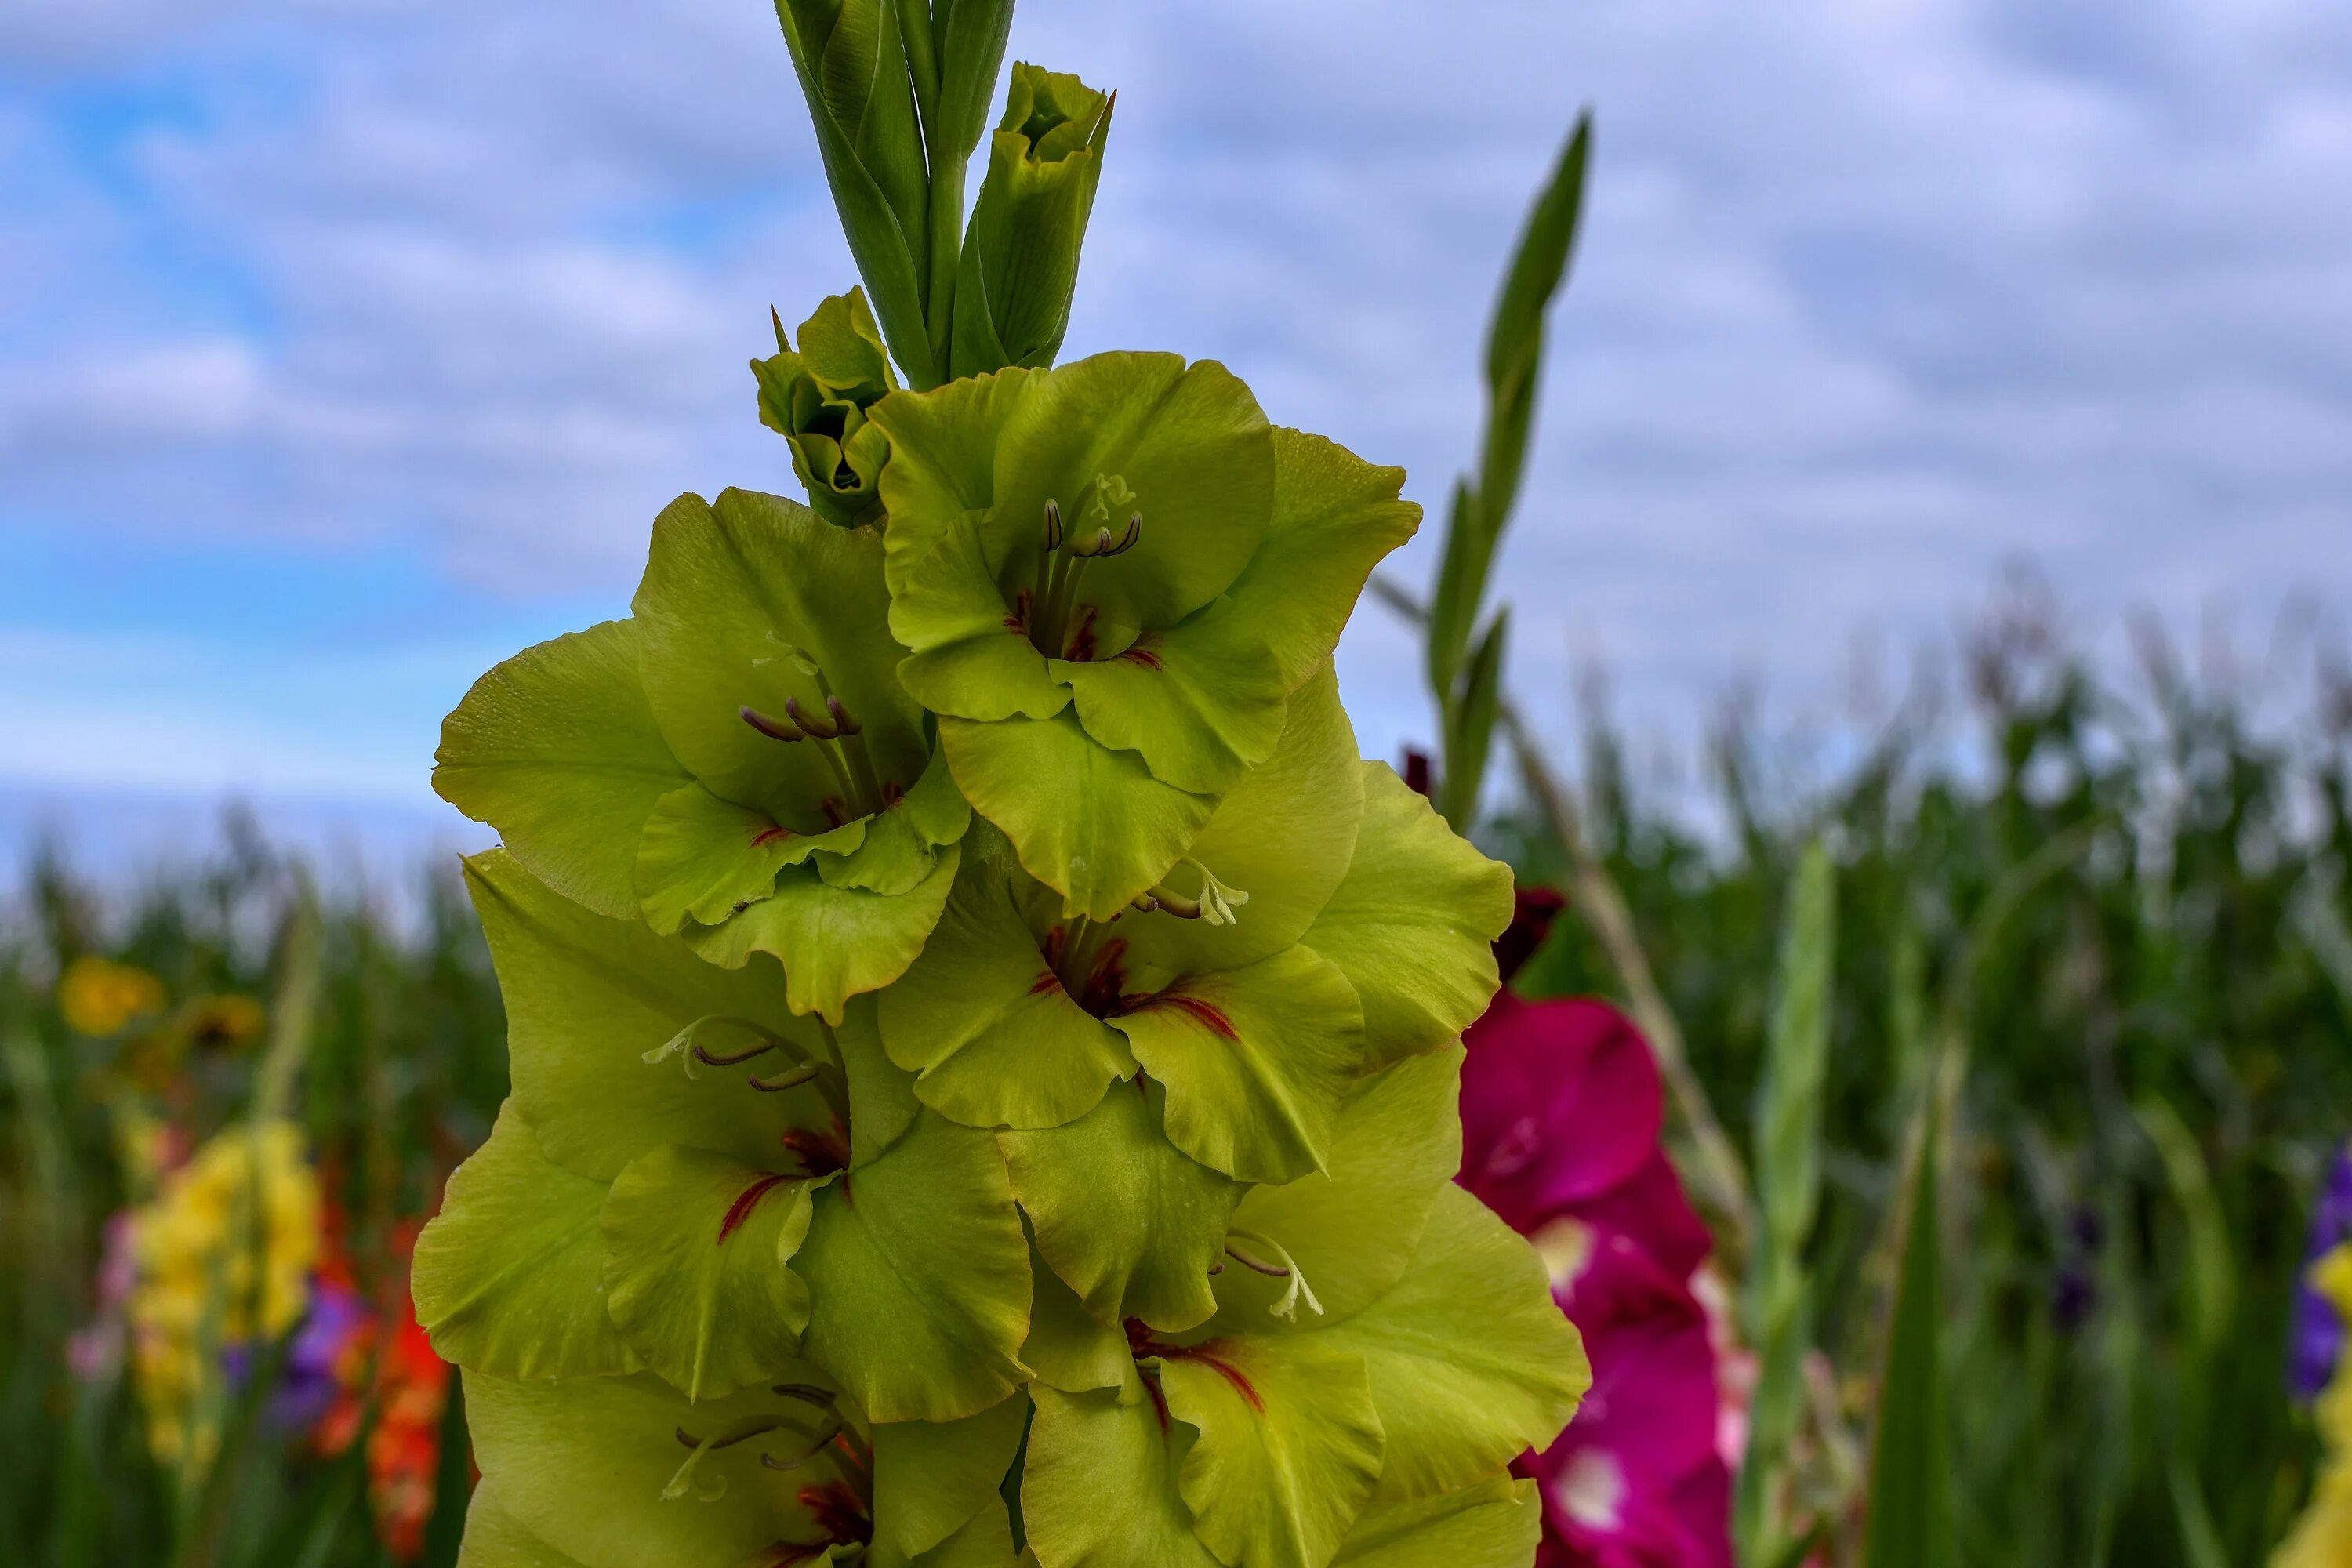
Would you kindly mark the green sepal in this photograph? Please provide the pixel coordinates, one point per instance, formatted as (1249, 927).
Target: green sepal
(1352, 1232)
(1289, 1448)
(982, 1018)
(557, 748)
(851, 60)
(918, 1276)
(695, 1252)
(496, 1538)
(1413, 924)
(931, 1478)
(586, 997)
(1129, 1221)
(507, 1278)
(1471, 1361)
(1258, 1061)
(582, 1465)
(835, 942)
(1019, 265)
(1100, 1489)
(1495, 1524)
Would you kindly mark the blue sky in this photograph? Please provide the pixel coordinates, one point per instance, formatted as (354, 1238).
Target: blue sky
(347, 345)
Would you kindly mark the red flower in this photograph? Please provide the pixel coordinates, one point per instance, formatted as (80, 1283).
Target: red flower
(1561, 1113)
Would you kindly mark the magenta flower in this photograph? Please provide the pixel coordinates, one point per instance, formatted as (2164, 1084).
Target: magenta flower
(1561, 1113)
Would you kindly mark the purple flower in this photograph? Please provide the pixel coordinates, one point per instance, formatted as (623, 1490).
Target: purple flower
(2319, 1332)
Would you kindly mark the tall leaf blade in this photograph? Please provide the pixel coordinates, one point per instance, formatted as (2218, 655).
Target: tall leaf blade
(1911, 1522)
(1470, 736)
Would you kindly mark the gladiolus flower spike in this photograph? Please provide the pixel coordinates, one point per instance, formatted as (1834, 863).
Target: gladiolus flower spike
(984, 1045)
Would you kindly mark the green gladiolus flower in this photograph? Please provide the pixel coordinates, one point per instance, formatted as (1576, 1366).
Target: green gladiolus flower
(736, 763)
(815, 398)
(1020, 261)
(1112, 576)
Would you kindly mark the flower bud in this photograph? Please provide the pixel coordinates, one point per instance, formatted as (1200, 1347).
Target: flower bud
(816, 397)
(1020, 257)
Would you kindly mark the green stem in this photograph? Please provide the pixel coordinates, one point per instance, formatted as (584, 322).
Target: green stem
(840, 775)
(946, 244)
(869, 782)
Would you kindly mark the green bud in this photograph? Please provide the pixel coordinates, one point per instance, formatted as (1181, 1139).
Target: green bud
(816, 398)
(1020, 261)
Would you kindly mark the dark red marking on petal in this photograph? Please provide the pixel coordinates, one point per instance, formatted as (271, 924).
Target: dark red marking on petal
(820, 1153)
(1144, 1346)
(745, 1202)
(1207, 1014)
(1140, 655)
(1047, 980)
(762, 840)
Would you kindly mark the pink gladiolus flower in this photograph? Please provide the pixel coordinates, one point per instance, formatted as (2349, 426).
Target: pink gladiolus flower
(1561, 1111)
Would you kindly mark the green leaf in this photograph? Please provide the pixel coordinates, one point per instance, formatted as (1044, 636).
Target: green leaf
(1911, 1520)
(1289, 1447)
(983, 1020)
(695, 1251)
(1129, 1221)
(1090, 823)
(835, 942)
(1100, 1489)
(494, 1539)
(1413, 924)
(586, 997)
(1470, 1361)
(930, 1479)
(1470, 731)
(507, 1276)
(1335, 516)
(1067, 1347)
(584, 1464)
(1353, 1233)
(1494, 1524)
(558, 750)
(919, 1275)
(1257, 1061)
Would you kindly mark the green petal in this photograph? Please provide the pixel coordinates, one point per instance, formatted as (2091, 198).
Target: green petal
(507, 1276)
(705, 860)
(1494, 1524)
(1284, 835)
(1289, 1447)
(1100, 1489)
(586, 997)
(1414, 924)
(1089, 823)
(1335, 516)
(1193, 447)
(981, 1017)
(1353, 1231)
(985, 1541)
(1067, 1347)
(494, 1539)
(899, 844)
(1127, 1219)
(730, 592)
(833, 942)
(1199, 702)
(930, 1479)
(558, 750)
(1471, 1361)
(1257, 1061)
(919, 1277)
(583, 1464)
(882, 1103)
(945, 600)
(695, 1248)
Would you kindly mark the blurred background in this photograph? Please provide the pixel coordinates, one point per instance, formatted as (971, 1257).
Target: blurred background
(1944, 452)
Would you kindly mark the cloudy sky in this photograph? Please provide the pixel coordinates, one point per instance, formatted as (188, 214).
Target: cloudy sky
(347, 345)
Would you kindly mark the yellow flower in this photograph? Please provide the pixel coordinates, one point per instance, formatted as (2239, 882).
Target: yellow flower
(224, 1256)
(99, 996)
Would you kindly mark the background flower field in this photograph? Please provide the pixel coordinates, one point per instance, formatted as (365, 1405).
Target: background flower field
(2104, 908)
